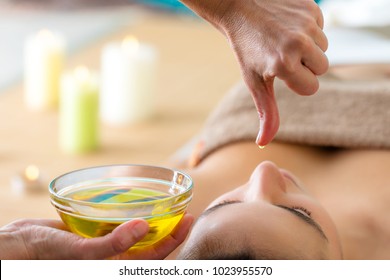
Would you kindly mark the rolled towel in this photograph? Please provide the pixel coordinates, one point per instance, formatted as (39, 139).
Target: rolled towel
(346, 114)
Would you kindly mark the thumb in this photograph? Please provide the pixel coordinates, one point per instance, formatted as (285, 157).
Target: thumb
(114, 243)
(264, 97)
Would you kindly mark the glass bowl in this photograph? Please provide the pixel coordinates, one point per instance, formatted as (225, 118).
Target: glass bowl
(94, 201)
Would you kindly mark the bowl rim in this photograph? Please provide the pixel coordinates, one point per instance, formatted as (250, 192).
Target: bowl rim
(55, 196)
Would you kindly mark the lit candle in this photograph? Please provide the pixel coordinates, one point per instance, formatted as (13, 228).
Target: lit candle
(44, 58)
(29, 181)
(128, 82)
(79, 111)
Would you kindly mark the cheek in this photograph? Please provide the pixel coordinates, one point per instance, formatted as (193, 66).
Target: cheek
(329, 227)
(316, 210)
(326, 221)
(319, 214)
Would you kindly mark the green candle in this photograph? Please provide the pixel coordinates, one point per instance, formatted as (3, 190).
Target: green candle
(79, 101)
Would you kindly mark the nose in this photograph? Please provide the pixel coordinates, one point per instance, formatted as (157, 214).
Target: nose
(266, 182)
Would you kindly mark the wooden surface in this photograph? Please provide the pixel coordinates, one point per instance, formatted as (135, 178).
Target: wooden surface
(196, 68)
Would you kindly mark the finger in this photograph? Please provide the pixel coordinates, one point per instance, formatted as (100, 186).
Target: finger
(51, 223)
(319, 16)
(175, 238)
(264, 99)
(114, 243)
(316, 61)
(321, 40)
(302, 80)
(39, 237)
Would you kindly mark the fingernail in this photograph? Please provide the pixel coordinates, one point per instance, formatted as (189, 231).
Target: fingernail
(139, 229)
(258, 139)
(261, 130)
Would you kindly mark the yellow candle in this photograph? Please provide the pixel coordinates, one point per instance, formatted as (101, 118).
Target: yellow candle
(44, 59)
(128, 81)
(79, 112)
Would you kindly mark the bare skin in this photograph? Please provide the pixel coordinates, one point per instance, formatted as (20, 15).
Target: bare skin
(352, 185)
(50, 239)
(271, 38)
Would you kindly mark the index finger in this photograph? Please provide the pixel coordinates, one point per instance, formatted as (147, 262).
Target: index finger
(319, 15)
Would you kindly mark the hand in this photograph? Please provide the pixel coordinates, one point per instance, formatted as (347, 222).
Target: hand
(271, 38)
(50, 239)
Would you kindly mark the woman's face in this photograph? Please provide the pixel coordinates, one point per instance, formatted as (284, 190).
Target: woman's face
(271, 216)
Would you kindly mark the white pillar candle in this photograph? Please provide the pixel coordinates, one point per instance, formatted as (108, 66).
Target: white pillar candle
(44, 59)
(79, 111)
(128, 82)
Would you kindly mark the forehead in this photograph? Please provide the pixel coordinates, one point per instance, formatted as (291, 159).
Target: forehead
(265, 228)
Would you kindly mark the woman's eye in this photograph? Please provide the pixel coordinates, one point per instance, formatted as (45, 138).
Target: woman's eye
(302, 210)
(228, 201)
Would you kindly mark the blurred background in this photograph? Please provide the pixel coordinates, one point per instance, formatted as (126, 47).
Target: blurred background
(81, 22)
(180, 62)
(87, 20)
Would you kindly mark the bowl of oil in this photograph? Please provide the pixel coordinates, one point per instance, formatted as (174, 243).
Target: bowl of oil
(93, 201)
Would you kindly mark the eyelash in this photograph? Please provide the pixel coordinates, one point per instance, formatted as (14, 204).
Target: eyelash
(301, 209)
(227, 201)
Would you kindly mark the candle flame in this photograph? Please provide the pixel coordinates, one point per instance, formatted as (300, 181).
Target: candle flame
(32, 172)
(81, 73)
(130, 44)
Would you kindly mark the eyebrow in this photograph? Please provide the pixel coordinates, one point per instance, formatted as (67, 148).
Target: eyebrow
(218, 206)
(309, 221)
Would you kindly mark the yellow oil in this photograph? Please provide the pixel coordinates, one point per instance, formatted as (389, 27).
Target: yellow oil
(160, 226)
